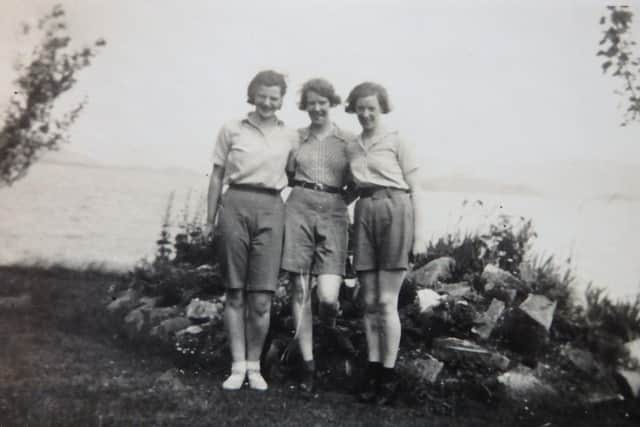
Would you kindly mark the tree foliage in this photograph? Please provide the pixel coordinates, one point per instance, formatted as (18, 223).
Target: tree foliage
(619, 59)
(30, 126)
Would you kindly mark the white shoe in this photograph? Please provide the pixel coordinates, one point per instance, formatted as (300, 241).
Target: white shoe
(256, 381)
(236, 379)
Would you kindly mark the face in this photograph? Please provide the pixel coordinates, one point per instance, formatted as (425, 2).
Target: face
(368, 111)
(318, 108)
(267, 100)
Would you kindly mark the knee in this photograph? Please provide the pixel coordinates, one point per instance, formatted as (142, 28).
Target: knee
(388, 306)
(235, 299)
(301, 293)
(260, 305)
(370, 307)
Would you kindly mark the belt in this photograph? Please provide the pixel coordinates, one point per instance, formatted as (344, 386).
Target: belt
(381, 192)
(317, 186)
(254, 188)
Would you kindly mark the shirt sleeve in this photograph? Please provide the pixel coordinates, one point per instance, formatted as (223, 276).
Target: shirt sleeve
(407, 156)
(222, 147)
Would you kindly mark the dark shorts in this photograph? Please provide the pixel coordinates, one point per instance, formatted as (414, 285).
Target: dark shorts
(250, 228)
(383, 232)
(315, 237)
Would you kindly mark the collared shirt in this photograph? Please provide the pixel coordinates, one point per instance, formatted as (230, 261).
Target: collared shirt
(322, 161)
(383, 161)
(252, 155)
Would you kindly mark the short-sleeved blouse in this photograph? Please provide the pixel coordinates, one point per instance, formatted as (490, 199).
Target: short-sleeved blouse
(253, 156)
(323, 161)
(383, 161)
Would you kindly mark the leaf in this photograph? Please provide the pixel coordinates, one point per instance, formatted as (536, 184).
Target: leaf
(602, 20)
(606, 65)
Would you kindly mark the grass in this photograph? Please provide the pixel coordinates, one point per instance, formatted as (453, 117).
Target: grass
(60, 365)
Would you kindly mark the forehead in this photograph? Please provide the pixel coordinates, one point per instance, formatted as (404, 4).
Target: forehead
(368, 101)
(315, 96)
(268, 91)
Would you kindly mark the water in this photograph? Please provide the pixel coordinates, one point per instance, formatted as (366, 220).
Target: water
(78, 214)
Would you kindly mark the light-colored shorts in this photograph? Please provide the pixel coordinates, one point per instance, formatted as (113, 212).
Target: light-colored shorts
(383, 231)
(315, 236)
(250, 229)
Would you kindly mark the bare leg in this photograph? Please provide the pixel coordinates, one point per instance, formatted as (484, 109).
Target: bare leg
(389, 282)
(302, 314)
(328, 292)
(234, 313)
(257, 326)
(369, 287)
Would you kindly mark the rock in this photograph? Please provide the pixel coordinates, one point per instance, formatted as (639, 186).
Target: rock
(428, 300)
(148, 302)
(629, 382)
(456, 291)
(169, 381)
(463, 315)
(488, 320)
(598, 398)
(431, 273)
(157, 314)
(522, 334)
(190, 330)
(540, 309)
(499, 280)
(425, 369)
(583, 360)
(126, 302)
(134, 322)
(456, 350)
(203, 311)
(633, 348)
(521, 383)
(168, 327)
(20, 302)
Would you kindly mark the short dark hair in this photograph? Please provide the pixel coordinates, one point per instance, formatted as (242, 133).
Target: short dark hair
(368, 89)
(323, 88)
(265, 78)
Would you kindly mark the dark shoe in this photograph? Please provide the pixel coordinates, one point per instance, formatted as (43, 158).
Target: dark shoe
(370, 383)
(388, 388)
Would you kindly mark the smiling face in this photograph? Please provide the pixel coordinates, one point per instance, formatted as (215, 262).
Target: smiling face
(267, 100)
(368, 111)
(318, 108)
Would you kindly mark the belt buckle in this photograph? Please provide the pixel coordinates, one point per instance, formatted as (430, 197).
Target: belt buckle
(319, 186)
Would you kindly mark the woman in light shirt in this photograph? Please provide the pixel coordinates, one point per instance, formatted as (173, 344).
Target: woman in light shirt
(250, 156)
(388, 226)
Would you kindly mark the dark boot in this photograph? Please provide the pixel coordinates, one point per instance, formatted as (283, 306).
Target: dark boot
(308, 377)
(370, 382)
(388, 388)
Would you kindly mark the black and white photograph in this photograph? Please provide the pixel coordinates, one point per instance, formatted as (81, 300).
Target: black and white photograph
(319, 213)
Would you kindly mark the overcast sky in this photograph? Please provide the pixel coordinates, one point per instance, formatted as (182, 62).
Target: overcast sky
(472, 82)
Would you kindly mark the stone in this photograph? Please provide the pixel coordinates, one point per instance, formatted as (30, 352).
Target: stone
(148, 302)
(169, 327)
(458, 350)
(488, 320)
(134, 322)
(539, 308)
(190, 330)
(629, 382)
(169, 381)
(633, 348)
(521, 383)
(430, 274)
(156, 315)
(583, 360)
(124, 303)
(456, 290)
(20, 302)
(495, 277)
(199, 310)
(426, 369)
(520, 333)
(428, 299)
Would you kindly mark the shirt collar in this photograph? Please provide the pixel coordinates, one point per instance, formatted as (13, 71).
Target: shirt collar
(305, 133)
(377, 139)
(248, 120)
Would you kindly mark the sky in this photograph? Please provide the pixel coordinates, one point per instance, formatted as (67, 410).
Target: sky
(473, 83)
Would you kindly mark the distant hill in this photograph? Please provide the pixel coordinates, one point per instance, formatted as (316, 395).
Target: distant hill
(465, 184)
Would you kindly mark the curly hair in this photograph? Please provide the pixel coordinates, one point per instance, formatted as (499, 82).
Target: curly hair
(368, 89)
(265, 78)
(323, 88)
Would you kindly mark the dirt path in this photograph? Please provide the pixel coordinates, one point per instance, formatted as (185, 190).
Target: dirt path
(58, 367)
